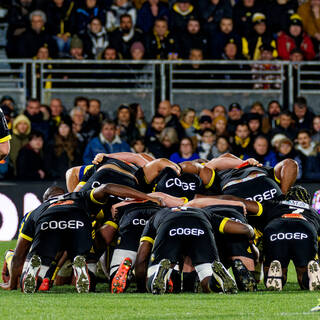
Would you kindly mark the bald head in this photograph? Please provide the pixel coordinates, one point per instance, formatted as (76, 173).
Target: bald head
(164, 108)
(51, 192)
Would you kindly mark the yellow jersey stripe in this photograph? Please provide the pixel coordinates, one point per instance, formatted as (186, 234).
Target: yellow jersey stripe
(7, 138)
(93, 199)
(222, 224)
(276, 178)
(211, 180)
(260, 209)
(87, 168)
(112, 224)
(24, 236)
(147, 239)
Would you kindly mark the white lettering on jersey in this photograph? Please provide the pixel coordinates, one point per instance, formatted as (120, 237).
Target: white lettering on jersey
(186, 232)
(62, 225)
(288, 236)
(185, 186)
(267, 195)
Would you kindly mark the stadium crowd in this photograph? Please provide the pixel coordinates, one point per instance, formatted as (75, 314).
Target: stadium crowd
(47, 139)
(152, 29)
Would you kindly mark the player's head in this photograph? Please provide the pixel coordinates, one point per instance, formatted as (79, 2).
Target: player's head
(298, 193)
(51, 192)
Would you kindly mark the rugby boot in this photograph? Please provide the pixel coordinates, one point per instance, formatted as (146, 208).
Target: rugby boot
(314, 275)
(45, 285)
(6, 265)
(244, 278)
(274, 277)
(316, 308)
(29, 282)
(224, 278)
(160, 279)
(120, 279)
(81, 273)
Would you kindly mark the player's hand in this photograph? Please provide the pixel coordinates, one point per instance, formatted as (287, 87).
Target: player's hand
(254, 162)
(98, 158)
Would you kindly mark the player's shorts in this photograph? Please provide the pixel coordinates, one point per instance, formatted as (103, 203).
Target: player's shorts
(288, 239)
(258, 189)
(185, 235)
(233, 245)
(61, 231)
(108, 175)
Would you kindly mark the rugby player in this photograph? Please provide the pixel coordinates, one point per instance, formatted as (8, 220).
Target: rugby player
(70, 229)
(4, 137)
(186, 231)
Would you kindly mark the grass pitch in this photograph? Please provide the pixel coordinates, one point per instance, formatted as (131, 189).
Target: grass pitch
(65, 303)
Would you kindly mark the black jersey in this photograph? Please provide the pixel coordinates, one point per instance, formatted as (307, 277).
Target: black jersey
(271, 210)
(4, 131)
(83, 203)
(167, 214)
(262, 184)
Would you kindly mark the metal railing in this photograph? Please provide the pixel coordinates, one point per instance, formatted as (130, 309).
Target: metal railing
(199, 83)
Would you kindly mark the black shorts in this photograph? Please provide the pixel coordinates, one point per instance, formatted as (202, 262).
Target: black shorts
(57, 232)
(286, 239)
(233, 245)
(258, 189)
(185, 236)
(108, 175)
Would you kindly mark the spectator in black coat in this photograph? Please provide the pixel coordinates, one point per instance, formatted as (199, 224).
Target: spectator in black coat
(302, 115)
(286, 126)
(124, 36)
(35, 37)
(193, 38)
(61, 23)
(152, 138)
(30, 163)
(149, 12)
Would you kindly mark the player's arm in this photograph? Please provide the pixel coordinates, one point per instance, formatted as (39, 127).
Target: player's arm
(233, 227)
(20, 254)
(72, 178)
(141, 265)
(286, 173)
(138, 159)
(4, 149)
(101, 193)
(152, 169)
(167, 200)
(108, 231)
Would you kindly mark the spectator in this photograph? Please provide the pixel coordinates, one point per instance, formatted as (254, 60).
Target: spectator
(96, 116)
(76, 49)
(119, 8)
(285, 150)
(231, 52)
(171, 120)
(187, 121)
(64, 152)
(259, 70)
(274, 110)
(242, 143)
(316, 129)
(218, 110)
(180, 14)
(192, 38)
(137, 51)
(259, 36)
(305, 144)
(205, 122)
(196, 55)
(83, 103)
(169, 141)
(110, 53)
(220, 126)
(243, 12)
(153, 135)
(234, 117)
(176, 110)
(254, 124)
(257, 107)
(61, 23)
(221, 146)
(310, 15)
(295, 38)
(212, 11)
(95, 39)
(124, 36)
(149, 12)
(185, 152)
(301, 114)
(138, 113)
(106, 142)
(35, 37)
(221, 37)
(296, 55)
(126, 127)
(161, 42)
(36, 117)
(57, 112)
(20, 137)
(206, 144)
(279, 12)
(286, 126)
(261, 152)
(138, 146)
(30, 162)
(18, 22)
(10, 103)
(87, 10)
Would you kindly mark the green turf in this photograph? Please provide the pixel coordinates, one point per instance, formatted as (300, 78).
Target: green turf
(65, 303)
